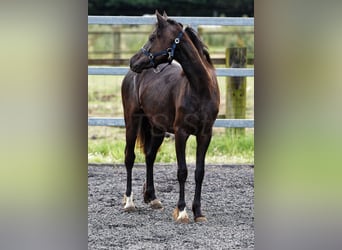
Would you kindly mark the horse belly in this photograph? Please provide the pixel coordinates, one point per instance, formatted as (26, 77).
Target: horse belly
(160, 117)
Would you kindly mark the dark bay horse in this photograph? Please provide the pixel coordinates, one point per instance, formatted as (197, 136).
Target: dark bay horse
(181, 98)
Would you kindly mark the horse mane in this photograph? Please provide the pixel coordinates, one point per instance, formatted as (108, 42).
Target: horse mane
(173, 22)
(199, 44)
(196, 40)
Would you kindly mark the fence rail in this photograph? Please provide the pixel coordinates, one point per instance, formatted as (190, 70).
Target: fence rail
(93, 70)
(121, 61)
(219, 123)
(193, 21)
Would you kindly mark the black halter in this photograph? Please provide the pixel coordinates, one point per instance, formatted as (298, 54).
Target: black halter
(169, 51)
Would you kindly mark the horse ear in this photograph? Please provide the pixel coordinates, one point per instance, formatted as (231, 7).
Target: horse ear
(161, 20)
(165, 15)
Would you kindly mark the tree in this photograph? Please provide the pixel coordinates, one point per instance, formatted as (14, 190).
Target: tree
(229, 8)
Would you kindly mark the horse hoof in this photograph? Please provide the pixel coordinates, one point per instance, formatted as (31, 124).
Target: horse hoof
(156, 204)
(201, 219)
(180, 217)
(129, 204)
(130, 209)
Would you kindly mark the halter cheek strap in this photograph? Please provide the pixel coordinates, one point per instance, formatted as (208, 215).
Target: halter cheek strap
(169, 51)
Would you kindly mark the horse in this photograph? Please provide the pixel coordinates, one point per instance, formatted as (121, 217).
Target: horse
(181, 98)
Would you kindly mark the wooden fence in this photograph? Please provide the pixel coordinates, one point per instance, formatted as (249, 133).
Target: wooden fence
(118, 56)
(194, 22)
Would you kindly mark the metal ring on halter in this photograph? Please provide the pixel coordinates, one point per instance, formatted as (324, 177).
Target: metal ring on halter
(170, 54)
(169, 51)
(156, 70)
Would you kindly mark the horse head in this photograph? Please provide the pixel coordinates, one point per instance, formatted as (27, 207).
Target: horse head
(161, 45)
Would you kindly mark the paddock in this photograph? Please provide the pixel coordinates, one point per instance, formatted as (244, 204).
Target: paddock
(228, 190)
(227, 202)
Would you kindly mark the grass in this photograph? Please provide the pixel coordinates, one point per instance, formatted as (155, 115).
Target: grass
(106, 145)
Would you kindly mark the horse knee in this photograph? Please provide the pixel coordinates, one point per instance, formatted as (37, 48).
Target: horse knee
(129, 160)
(199, 175)
(150, 158)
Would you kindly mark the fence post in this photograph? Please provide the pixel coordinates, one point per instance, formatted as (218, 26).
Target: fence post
(116, 42)
(236, 88)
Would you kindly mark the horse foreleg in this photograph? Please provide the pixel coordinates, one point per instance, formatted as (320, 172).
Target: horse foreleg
(179, 213)
(131, 135)
(202, 146)
(149, 191)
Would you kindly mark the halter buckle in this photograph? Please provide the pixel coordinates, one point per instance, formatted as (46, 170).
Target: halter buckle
(169, 51)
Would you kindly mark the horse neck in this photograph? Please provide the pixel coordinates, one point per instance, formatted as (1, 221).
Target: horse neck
(194, 66)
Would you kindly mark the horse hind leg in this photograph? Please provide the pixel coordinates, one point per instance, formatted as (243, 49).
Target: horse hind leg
(151, 150)
(202, 146)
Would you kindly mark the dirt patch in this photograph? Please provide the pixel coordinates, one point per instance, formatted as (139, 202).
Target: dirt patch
(227, 202)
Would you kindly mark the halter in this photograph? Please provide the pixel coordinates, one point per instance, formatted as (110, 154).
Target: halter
(169, 51)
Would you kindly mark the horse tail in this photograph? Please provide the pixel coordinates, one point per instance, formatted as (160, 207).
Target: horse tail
(144, 135)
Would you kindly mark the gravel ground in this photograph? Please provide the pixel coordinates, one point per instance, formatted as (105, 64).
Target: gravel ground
(227, 202)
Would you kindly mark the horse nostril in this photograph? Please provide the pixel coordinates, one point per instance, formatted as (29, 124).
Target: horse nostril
(135, 67)
(132, 65)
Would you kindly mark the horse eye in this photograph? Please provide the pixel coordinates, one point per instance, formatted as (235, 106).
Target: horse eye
(152, 38)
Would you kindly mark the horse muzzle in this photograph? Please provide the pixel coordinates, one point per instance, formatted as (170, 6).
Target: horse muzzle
(139, 62)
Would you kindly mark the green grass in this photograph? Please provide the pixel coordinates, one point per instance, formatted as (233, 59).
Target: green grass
(106, 145)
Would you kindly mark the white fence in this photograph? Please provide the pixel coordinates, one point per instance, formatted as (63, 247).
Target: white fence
(192, 21)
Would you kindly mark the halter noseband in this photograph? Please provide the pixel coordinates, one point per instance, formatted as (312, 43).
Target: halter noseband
(169, 51)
